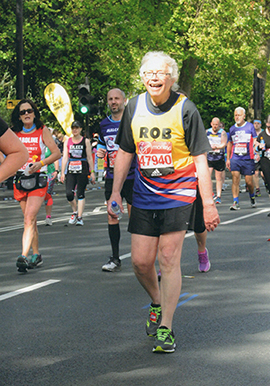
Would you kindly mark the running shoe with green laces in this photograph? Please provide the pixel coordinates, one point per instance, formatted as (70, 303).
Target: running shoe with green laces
(153, 320)
(165, 341)
(22, 263)
(36, 260)
(258, 192)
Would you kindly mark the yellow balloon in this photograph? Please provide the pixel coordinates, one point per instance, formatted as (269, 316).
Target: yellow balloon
(59, 103)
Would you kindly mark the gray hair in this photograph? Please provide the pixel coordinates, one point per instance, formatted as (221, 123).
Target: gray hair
(171, 63)
(241, 109)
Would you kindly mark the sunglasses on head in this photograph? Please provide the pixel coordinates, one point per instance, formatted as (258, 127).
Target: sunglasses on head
(29, 111)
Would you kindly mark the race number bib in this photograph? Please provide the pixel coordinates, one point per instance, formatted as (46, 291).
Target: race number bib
(214, 141)
(240, 148)
(155, 158)
(75, 153)
(75, 166)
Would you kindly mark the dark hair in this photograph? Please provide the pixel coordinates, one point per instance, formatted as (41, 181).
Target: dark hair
(76, 124)
(17, 124)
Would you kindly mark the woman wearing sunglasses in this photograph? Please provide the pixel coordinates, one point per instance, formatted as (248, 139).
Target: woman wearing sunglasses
(30, 183)
(77, 157)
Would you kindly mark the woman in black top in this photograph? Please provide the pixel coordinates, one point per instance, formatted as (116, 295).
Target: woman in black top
(263, 145)
(79, 162)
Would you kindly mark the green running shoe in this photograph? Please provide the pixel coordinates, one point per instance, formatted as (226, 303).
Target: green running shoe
(165, 341)
(22, 263)
(153, 320)
(36, 260)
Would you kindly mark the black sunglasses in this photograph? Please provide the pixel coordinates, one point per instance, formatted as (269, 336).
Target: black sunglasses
(29, 111)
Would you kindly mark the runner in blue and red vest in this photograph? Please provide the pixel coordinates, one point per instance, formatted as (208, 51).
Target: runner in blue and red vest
(166, 132)
(240, 156)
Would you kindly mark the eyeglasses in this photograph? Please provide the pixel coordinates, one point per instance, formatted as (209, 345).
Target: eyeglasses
(29, 111)
(158, 74)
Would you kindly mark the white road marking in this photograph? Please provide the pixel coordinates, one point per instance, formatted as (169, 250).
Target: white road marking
(244, 217)
(99, 210)
(126, 256)
(55, 220)
(27, 289)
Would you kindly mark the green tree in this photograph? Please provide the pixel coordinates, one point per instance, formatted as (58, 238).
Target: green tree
(219, 41)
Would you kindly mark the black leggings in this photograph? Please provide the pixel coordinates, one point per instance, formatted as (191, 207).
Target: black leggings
(73, 179)
(265, 166)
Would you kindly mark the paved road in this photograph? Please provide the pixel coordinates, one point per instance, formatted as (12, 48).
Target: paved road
(70, 324)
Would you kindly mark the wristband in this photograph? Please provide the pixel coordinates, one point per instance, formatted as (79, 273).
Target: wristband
(42, 163)
(92, 171)
(57, 171)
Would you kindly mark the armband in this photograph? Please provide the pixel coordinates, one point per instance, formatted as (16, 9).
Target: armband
(42, 163)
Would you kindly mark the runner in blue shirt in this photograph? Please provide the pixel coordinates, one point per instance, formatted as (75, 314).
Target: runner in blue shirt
(240, 156)
(108, 148)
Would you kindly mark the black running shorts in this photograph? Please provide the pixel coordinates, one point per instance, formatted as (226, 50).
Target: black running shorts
(196, 217)
(126, 192)
(157, 222)
(218, 165)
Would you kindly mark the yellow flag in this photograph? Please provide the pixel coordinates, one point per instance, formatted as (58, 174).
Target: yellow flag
(59, 103)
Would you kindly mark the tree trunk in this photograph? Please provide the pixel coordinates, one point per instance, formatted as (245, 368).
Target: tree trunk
(187, 74)
(264, 53)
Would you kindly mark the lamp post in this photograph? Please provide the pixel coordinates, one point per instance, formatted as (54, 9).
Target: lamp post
(19, 50)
